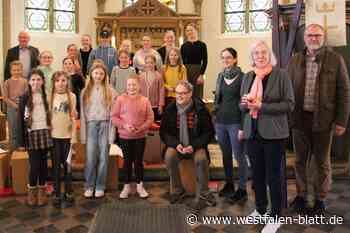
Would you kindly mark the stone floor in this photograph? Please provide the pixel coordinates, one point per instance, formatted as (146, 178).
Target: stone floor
(16, 217)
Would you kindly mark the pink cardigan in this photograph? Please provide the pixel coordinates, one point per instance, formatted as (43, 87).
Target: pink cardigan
(154, 91)
(133, 111)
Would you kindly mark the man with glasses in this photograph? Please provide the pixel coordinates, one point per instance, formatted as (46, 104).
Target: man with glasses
(186, 129)
(322, 95)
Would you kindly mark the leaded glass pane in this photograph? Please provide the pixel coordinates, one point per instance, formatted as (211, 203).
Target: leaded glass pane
(64, 21)
(234, 22)
(37, 20)
(260, 4)
(234, 5)
(65, 5)
(41, 4)
(259, 22)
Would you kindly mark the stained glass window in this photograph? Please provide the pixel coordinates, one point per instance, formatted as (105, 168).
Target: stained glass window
(51, 15)
(245, 16)
(170, 3)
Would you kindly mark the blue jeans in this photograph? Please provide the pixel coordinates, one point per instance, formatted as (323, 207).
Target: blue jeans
(228, 141)
(97, 151)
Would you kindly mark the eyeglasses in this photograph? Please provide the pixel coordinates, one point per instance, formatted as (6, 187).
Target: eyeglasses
(182, 93)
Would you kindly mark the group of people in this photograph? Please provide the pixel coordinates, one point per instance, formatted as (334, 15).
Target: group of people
(253, 114)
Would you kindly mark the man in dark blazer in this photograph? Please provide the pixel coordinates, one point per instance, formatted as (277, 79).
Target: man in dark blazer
(28, 55)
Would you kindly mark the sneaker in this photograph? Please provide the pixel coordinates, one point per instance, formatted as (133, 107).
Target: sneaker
(227, 190)
(141, 190)
(99, 193)
(255, 215)
(125, 192)
(203, 202)
(271, 227)
(88, 193)
(177, 197)
(239, 195)
(319, 208)
(299, 205)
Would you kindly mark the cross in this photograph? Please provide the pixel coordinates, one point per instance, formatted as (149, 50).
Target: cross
(148, 8)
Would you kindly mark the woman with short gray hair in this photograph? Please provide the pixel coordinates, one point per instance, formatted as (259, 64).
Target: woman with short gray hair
(266, 99)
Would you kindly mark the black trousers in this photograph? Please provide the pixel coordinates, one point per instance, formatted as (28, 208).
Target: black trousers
(60, 154)
(38, 167)
(266, 160)
(133, 150)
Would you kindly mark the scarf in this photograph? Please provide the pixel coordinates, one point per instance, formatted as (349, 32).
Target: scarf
(184, 134)
(256, 92)
(231, 73)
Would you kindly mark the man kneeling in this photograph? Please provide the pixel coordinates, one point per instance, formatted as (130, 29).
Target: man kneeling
(186, 129)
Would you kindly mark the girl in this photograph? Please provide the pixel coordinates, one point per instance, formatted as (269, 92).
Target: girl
(133, 115)
(34, 109)
(76, 80)
(14, 88)
(228, 124)
(152, 86)
(96, 101)
(174, 71)
(72, 52)
(121, 73)
(127, 46)
(46, 60)
(63, 110)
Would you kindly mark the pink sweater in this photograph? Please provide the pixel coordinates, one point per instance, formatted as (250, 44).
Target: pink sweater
(133, 111)
(153, 88)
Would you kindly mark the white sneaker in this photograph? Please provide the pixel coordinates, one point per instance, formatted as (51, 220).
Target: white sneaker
(141, 190)
(271, 227)
(125, 192)
(251, 218)
(99, 193)
(88, 193)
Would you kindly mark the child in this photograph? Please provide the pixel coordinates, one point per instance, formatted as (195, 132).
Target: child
(34, 109)
(72, 52)
(14, 88)
(63, 110)
(174, 71)
(46, 60)
(133, 115)
(96, 101)
(121, 73)
(77, 81)
(152, 86)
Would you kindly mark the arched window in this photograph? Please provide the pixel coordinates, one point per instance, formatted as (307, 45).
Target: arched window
(51, 15)
(246, 16)
(170, 3)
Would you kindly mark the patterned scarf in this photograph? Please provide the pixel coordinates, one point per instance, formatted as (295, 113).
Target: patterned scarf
(230, 73)
(184, 134)
(256, 92)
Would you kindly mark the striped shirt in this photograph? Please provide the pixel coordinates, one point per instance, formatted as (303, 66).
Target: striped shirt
(107, 54)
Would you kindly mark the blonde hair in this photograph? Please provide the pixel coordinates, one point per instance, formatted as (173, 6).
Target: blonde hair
(273, 60)
(107, 94)
(54, 78)
(154, 59)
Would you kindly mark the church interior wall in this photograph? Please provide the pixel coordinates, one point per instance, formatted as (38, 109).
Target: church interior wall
(1, 41)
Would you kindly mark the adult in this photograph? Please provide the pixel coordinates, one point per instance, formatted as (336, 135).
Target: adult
(186, 129)
(228, 124)
(84, 52)
(267, 99)
(26, 54)
(105, 52)
(72, 53)
(126, 45)
(140, 55)
(322, 92)
(169, 42)
(195, 57)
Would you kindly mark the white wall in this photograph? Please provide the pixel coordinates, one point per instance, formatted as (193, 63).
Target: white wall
(55, 42)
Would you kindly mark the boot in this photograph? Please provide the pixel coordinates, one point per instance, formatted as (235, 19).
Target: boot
(32, 195)
(42, 195)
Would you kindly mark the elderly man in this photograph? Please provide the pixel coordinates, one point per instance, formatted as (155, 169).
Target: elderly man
(322, 94)
(186, 130)
(26, 54)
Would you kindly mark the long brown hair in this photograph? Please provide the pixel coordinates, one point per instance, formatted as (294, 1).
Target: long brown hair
(179, 60)
(55, 77)
(30, 104)
(107, 94)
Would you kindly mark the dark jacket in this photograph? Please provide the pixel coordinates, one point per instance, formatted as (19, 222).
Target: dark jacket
(13, 54)
(201, 133)
(277, 102)
(332, 93)
(162, 53)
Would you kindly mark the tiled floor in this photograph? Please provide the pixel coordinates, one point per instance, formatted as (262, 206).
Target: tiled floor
(16, 217)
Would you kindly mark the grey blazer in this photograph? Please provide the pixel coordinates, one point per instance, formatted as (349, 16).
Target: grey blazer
(278, 101)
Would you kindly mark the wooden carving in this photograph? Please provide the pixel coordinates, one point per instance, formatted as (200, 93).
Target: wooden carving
(146, 8)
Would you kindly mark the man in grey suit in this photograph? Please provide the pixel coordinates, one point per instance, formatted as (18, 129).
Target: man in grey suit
(26, 54)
